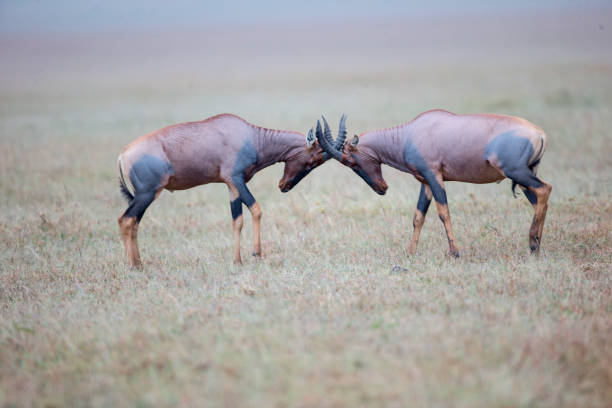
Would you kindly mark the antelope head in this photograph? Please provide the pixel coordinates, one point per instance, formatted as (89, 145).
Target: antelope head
(351, 155)
(308, 158)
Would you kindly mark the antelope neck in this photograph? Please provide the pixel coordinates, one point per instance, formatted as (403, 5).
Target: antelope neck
(387, 146)
(275, 146)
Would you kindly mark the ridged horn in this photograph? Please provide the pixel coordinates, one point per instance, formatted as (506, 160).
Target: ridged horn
(327, 131)
(324, 142)
(339, 145)
(327, 134)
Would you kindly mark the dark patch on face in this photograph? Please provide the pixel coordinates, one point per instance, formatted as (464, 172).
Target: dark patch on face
(293, 182)
(414, 159)
(358, 169)
(148, 172)
(314, 161)
(236, 207)
(246, 157)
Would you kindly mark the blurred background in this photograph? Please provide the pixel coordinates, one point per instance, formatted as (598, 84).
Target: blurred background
(194, 48)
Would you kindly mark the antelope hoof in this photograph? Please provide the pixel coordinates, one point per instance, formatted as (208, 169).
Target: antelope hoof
(257, 254)
(137, 265)
(454, 253)
(535, 245)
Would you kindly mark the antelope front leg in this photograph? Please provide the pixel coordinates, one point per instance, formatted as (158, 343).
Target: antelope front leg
(256, 214)
(247, 198)
(419, 216)
(237, 221)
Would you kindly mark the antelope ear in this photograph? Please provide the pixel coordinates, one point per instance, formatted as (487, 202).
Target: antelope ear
(310, 138)
(353, 145)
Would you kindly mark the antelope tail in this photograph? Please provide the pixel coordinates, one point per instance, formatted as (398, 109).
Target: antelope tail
(122, 185)
(513, 187)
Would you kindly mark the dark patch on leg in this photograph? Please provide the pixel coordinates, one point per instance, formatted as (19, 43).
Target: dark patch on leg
(531, 196)
(139, 205)
(523, 177)
(236, 207)
(424, 201)
(244, 193)
(438, 192)
(414, 159)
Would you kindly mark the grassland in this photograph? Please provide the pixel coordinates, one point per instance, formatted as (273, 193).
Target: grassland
(335, 313)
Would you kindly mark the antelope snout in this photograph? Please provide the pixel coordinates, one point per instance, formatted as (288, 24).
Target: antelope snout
(381, 187)
(284, 186)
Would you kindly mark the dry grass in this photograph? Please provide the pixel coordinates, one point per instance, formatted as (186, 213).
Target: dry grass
(335, 314)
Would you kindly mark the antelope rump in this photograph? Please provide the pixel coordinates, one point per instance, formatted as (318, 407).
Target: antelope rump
(221, 149)
(440, 146)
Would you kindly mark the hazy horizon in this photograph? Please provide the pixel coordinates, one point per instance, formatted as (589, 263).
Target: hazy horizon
(32, 16)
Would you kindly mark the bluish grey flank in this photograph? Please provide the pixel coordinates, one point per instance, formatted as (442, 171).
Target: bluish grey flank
(146, 176)
(512, 151)
(247, 156)
(148, 172)
(513, 154)
(415, 160)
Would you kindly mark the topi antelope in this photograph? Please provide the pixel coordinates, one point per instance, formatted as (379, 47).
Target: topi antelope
(440, 146)
(221, 149)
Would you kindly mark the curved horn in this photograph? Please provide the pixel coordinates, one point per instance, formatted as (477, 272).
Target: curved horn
(327, 131)
(324, 142)
(339, 145)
